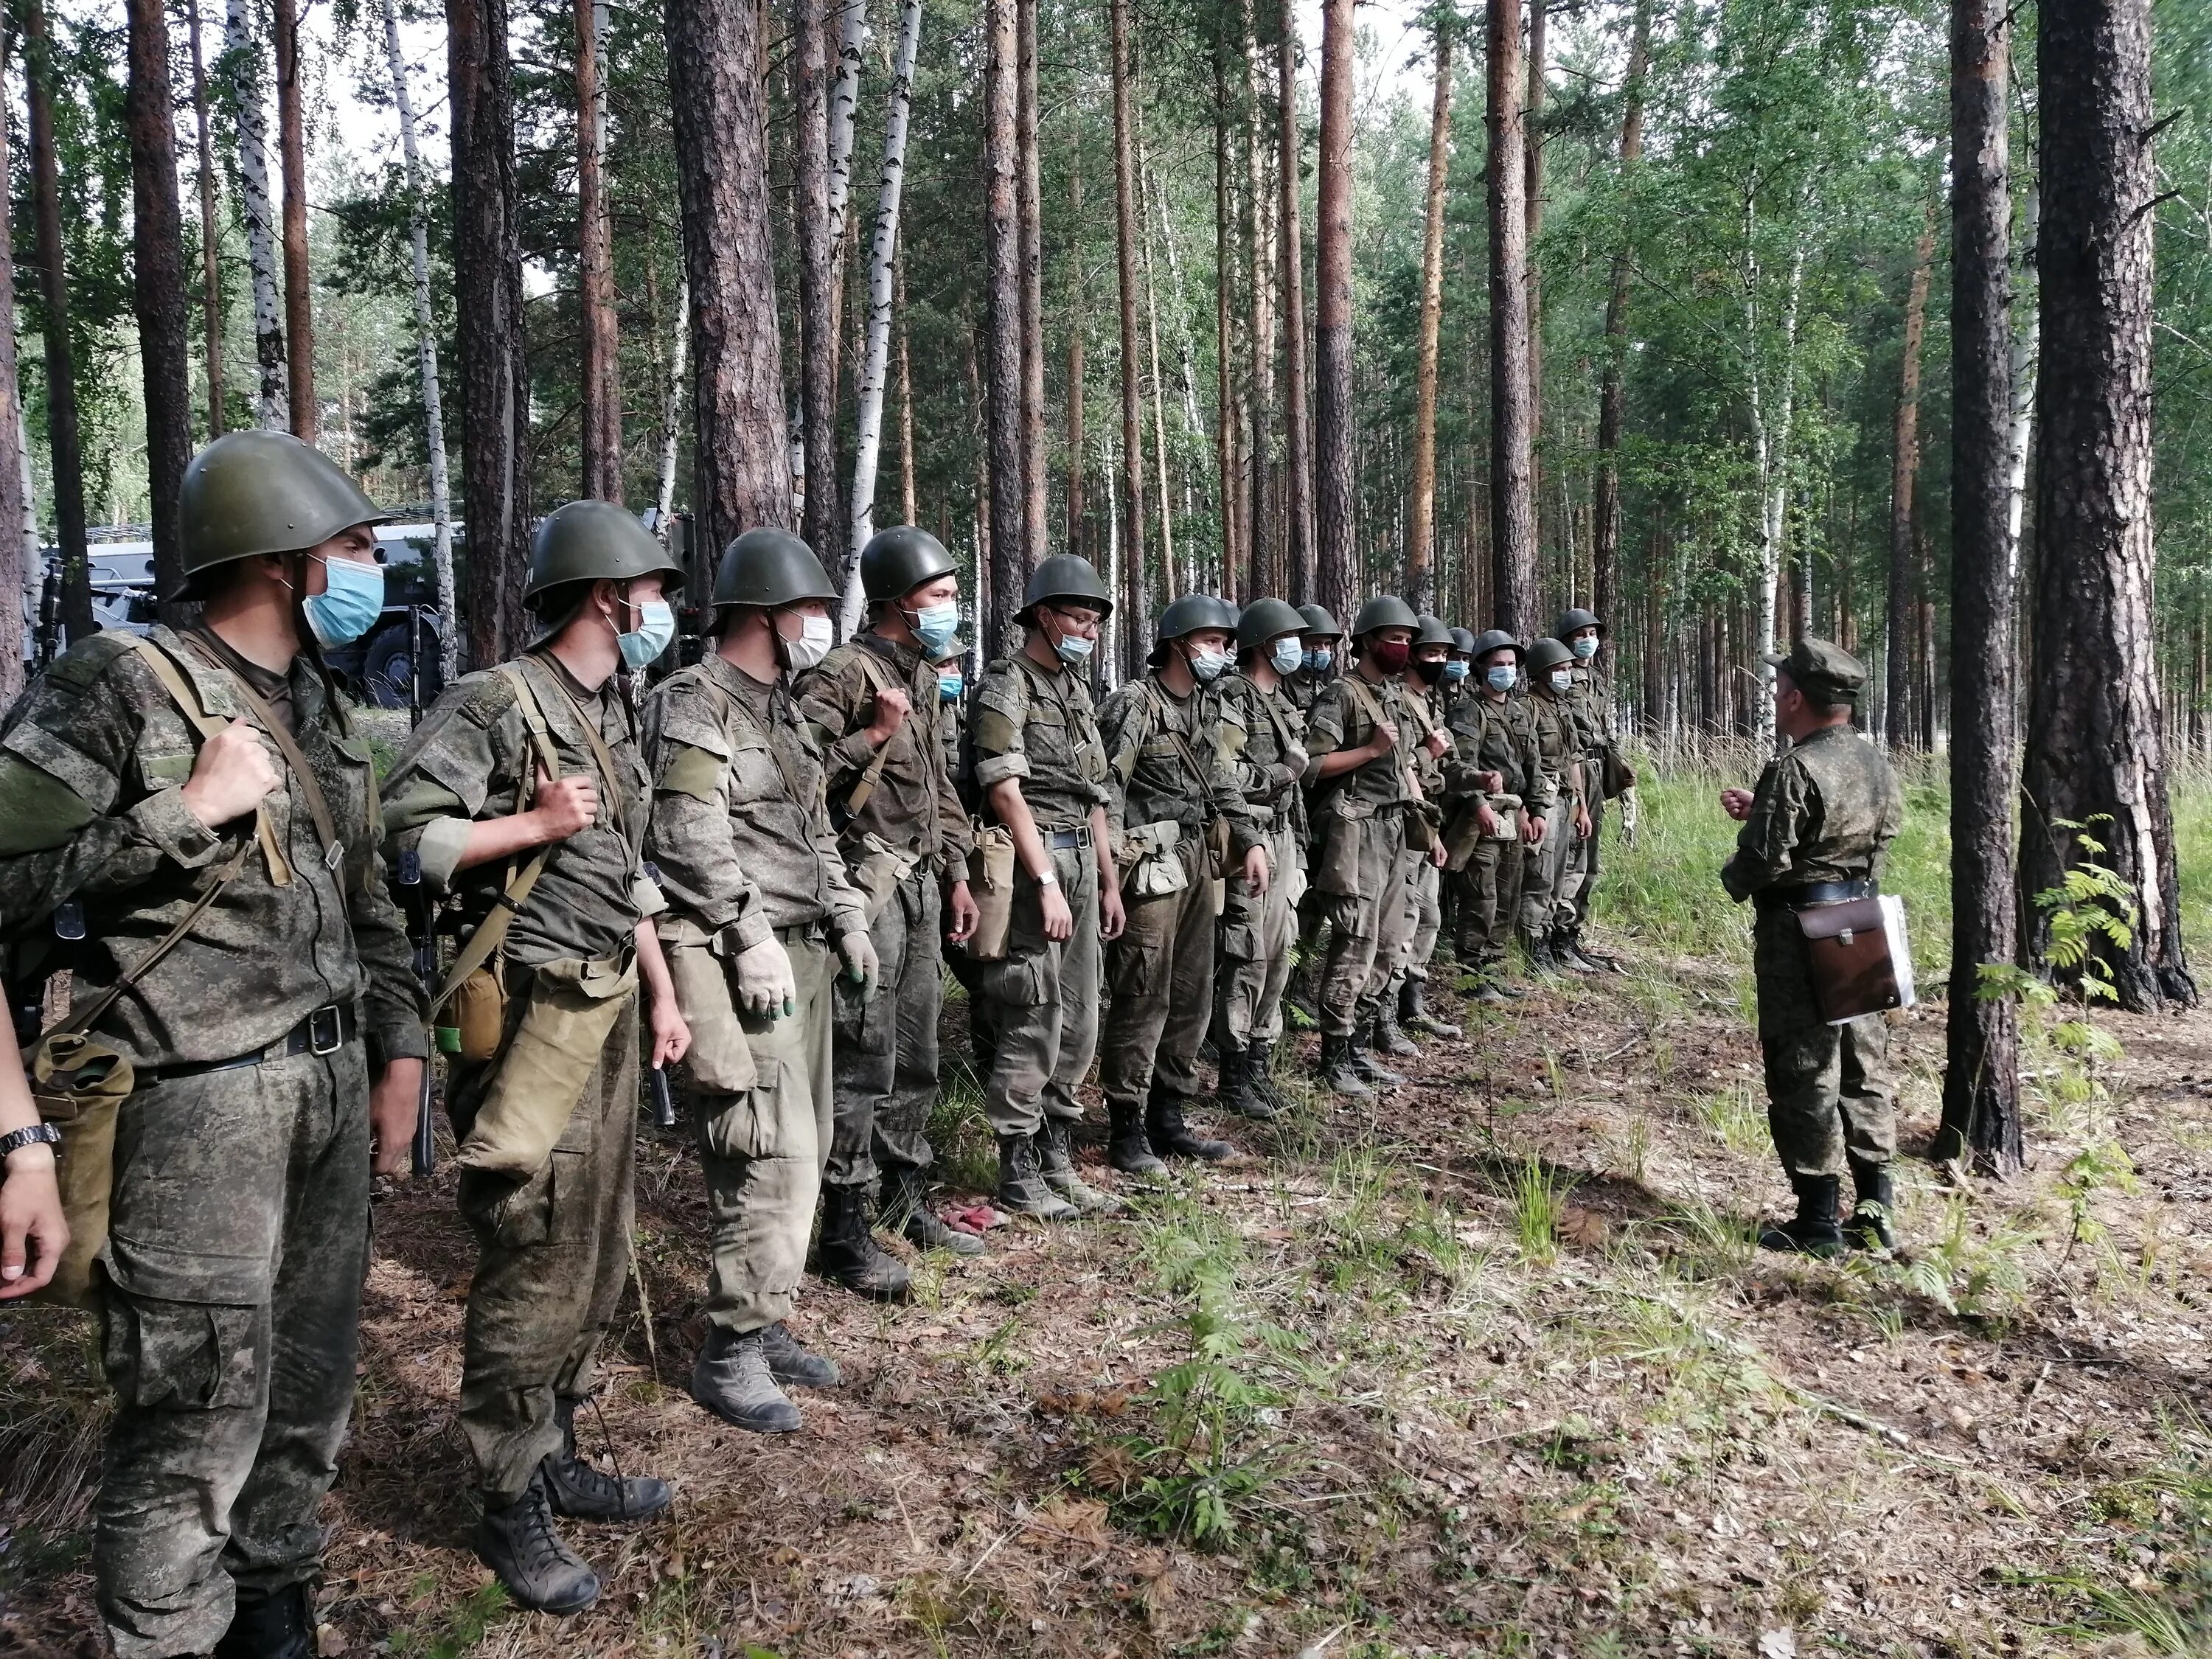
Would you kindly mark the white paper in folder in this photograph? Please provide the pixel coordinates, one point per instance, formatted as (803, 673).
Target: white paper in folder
(1900, 949)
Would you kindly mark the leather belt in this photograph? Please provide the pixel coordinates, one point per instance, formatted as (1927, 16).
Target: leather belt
(325, 1032)
(1061, 841)
(1812, 893)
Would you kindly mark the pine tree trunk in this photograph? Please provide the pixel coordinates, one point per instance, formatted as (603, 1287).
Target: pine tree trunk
(242, 59)
(1036, 534)
(157, 285)
(875, 357)
(18, 547)
(1981, 1082)
(1532, 141)
(63, 443)
(495, 386)
(1906, 468)
(1512, 478)
(1420, 557)
(1228, 447)
(426, 351)
(1133, 607)
(1262, 573)
(1002, 280)
(299, 291)
(1340, 584)
(817, 329)
(600, 413)
(1613, 393)
(211, 233)
(1077, 324)
(2095, 744)
(1170, 587)
(1298, 443)
(742, 465)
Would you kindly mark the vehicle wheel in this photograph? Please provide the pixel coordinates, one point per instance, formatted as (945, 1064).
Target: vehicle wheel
(384, 673)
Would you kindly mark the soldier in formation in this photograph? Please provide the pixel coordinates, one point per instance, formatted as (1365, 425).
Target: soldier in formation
(1405, 1012)
(1499, 802)
(1566, 820)
(1608, 775)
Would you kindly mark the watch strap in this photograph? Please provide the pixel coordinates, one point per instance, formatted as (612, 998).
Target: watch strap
(31, 1134)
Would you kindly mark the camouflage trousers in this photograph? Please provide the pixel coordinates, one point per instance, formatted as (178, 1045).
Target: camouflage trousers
(1427, 885)
(1543, 870)
(1043, 1002)
(1161, 973)
(762, 1151)
(552, 1256)
(1578, 875)
(886, 1044)
(230, 1324)
(1828, 1089)
(1255, 953)
(1371, 924)
(1489, 899)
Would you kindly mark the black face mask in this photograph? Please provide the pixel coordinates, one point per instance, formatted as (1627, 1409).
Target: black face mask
(1430, 672)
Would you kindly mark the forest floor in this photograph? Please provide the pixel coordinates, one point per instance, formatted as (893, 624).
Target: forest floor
(1490, 1365)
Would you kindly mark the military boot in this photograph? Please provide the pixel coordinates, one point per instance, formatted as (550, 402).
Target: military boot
(1538, 945)
(1022, 1187)
(1814, 1232)
(1340, 1066)
(1239, 1091)
(1171, 1137)
(849, 1254)
(1365, 1045)
(906, 1206)
(1385, 1037)
(1488, 992)
(1056, 1158)
(1126, 1147)
(731, 1380)
(582, 1492)
(1413, 1013)
(1869, 1228)
(794, 1365)
(1262, 1069)
(519, 1542)
(1567, 947)
(278, 1626)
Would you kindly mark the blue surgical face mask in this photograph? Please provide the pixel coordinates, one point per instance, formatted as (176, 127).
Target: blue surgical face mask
(1286, 656)
(1502, 676)
(1317, 661)
(950, 686)
(1206, 667)
(350, 604)
(935, 625)
(1563, 679)
(1585, 648)
(656, 627)
(1455, 670)
(1073, 649)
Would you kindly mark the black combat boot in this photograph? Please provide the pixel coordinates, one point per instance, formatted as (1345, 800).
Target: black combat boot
(1413, 1013)
(1126, 1147)
(1814, 1232)
(1022, 1187)
(906, 1206)
(1239, 1091)
(1538, 945)
(1055, 1145)
(1487, 990)
(794, 1365)
(1339, 1068)
(1171, 1137)
(278, 1626)
(1384, 1037)
(731, 1379)
(1869, 1228)
(1567, 949)
(520, 1543)
(1260, 1064)
(847, 1253)
(581, 1492)
(1365, 1045)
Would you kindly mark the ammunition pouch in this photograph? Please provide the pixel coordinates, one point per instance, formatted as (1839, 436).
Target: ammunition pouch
(550, 1056)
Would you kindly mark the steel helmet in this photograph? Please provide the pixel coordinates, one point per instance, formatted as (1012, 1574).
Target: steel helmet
(255, 492)
(1063, 576)
(1387, 612)
(595, 541)
(1497, 639)
(898, 560)
(1186, 616)
(1266, 619)
(1571, 623)
(769, 568)
(1463, 642)
(1434, 631)
(1547, 654)
(1319, 622)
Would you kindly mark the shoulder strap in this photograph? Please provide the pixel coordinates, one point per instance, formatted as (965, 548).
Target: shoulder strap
(83, 1019)
(326, 828)
(188, 704)
(782, 766)
(609, 778)
(863, 787)
(1282, 737)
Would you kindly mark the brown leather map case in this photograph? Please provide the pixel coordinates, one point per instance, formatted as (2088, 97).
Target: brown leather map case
(1854, 972)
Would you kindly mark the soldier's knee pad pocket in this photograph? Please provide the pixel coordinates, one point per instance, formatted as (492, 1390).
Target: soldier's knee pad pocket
(183, 1356)
(1017, 982)
(1240, 941)
(757, 1124)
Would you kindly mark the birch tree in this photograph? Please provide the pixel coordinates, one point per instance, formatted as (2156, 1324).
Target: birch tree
(242, 68)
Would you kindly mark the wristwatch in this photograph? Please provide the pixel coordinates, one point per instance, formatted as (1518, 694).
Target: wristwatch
(31, 1134)
(1049, 878)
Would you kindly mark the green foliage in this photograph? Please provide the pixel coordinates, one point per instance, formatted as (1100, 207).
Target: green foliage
(456, 1633)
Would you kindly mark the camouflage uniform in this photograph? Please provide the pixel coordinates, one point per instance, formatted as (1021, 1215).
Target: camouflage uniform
(886, 1046)
(1593, 725)
(1427, 880)
(1359, 861)
(741, 839)
(238, 1233)
(1035, 724)
(1161, 968)
(1494, 732)
(553, 1247)
(1825, 810)
(1259, 734)
(1543, 866)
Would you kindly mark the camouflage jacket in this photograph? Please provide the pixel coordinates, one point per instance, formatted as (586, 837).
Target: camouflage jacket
(1592, 714)
(1340, 718)
(1497, 734)
(1037, 724)
(92, 765)
(911, 807)
(1825, 810)
(740, 822)
(1558, 743)
(1254, 732)
(1424, 712)
(472, 758)
(1153, 738)
(1301, 689)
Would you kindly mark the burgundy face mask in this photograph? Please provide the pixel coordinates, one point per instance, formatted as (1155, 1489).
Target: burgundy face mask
(1391, 655)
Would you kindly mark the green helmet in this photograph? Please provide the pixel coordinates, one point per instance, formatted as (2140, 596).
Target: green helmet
(1463, 642)
(1387, 612)
(255, 492)
(770, 568)
(1496, 640)
(1319, 622)
(1192, 613)
(1266, 619)
(1571, 623)
(1063, 576)
(595, 541)
(897, 561)
(1434, 631)
(1547, 654)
